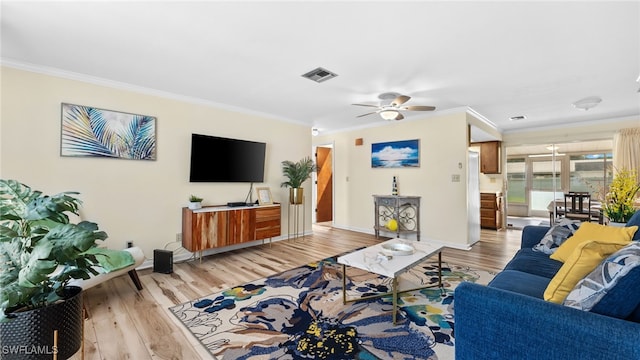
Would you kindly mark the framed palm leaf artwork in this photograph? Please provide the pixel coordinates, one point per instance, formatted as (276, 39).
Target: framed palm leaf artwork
(93, 132)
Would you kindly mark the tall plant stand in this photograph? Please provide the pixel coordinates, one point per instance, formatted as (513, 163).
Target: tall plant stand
(294, 221)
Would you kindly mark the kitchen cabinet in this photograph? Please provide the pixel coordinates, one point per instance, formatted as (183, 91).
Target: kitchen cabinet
(491, 210)
(490, 159)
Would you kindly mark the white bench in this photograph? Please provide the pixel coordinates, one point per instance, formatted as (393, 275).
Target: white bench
(138, 257)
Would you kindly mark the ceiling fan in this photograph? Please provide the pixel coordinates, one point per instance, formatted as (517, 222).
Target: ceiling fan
(390, 107)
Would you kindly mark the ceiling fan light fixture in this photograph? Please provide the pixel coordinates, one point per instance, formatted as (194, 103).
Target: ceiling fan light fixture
(389, 114)
(587, 103)
(391, 105)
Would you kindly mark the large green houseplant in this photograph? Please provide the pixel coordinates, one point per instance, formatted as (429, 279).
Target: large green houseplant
(618, 204)
(297, 173)
(40, 252)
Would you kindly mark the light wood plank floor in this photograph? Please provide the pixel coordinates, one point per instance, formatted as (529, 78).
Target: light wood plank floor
(127, 324)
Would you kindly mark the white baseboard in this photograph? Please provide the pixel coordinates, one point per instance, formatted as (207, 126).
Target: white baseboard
(187, 255)
(391, 234)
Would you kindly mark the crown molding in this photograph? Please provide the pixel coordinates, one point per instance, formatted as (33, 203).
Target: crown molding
(438, 113)
(483, 118)
(69, 75)
(577, 124)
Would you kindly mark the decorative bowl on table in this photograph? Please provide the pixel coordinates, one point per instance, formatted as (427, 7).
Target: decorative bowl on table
(398, 249)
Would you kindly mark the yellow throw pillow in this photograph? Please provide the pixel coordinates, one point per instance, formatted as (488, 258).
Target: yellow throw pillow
(585, 257)
(592, 231)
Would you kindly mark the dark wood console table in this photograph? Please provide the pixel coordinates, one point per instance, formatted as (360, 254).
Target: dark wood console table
(219, 226)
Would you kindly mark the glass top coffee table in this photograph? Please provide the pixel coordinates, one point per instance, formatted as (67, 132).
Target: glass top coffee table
(391, 259)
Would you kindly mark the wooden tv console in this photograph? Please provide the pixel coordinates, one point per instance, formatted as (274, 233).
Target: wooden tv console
(219, 226)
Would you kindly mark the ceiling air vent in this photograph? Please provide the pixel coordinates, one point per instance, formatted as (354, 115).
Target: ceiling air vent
(517, 118)
(319, 75)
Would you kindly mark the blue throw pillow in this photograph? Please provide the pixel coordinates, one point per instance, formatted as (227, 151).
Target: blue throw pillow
(635, 221)
(613, 288)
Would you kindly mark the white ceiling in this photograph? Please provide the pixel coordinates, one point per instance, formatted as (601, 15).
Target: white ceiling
(500, 59)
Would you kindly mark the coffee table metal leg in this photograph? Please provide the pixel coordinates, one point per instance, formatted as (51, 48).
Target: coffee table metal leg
(440, 269)
(344, 284)
(394, 285)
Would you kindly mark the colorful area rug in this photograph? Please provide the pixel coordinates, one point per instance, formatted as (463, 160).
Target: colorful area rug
(299, 314)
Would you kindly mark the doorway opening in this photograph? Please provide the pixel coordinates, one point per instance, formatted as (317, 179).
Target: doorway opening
(323, 185)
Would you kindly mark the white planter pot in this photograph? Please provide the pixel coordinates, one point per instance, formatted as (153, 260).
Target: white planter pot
(617, 224)
(195, 205)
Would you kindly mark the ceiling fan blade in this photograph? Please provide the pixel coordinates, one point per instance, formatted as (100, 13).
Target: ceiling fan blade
(419, 108)
(367, 114)
(400, 100)
(367, 105)
(399, 117)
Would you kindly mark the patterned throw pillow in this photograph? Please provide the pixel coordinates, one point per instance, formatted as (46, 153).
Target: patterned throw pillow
(556, 236)
(589, 291)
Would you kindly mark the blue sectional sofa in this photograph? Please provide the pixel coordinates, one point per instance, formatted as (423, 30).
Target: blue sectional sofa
(509, 318)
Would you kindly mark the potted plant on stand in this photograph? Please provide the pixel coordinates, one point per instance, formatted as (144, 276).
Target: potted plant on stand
(297, 173)
(40, 252)
(618, 205)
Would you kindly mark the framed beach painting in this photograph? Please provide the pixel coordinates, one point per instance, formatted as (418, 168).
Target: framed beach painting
(396, 154)
(92, 132)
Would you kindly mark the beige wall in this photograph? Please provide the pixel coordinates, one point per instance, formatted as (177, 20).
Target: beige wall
(443, 144)
(141, 200)
(131, 200)
(443, 152)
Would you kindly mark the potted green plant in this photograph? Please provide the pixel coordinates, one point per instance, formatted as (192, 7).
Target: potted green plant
(195, 202)
(618, 205)
(40, 252)
(297, 173)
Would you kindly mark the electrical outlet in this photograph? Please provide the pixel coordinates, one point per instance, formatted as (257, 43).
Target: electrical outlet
(129, 244)
(455, 178)
(179, 237)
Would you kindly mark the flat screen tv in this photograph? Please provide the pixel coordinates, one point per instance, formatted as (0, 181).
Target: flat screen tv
(218, 159)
